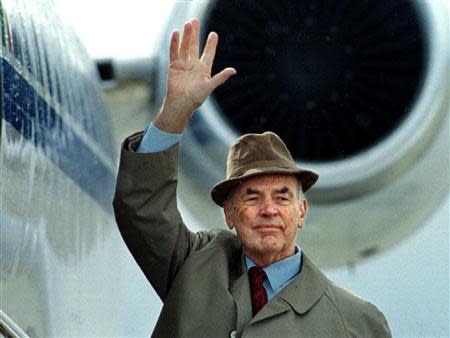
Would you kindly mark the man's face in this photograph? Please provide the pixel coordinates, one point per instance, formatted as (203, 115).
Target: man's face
(266, 212)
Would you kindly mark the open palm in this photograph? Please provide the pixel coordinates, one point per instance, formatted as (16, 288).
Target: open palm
(189, 80)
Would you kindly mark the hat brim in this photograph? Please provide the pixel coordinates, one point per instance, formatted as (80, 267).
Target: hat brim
(220, 191)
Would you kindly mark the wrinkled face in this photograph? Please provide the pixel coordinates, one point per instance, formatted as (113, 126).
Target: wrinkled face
(266, 212)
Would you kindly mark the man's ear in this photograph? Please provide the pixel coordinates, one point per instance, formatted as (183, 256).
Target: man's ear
(303, 212)
(228, 212)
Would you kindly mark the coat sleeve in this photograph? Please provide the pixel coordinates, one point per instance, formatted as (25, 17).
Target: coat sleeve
(145, 208)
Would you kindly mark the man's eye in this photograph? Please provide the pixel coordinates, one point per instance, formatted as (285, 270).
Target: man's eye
(251, 198)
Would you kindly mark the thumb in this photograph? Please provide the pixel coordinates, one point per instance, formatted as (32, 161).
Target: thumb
(221, 77)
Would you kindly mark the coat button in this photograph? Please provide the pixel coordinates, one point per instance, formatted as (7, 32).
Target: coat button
(233, 334)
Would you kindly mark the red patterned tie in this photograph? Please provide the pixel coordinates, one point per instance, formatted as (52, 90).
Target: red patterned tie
(259, 294)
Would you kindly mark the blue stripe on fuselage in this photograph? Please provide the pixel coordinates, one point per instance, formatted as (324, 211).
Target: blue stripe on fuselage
(37, 121)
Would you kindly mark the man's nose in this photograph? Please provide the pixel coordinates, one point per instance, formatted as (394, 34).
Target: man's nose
(268, 209)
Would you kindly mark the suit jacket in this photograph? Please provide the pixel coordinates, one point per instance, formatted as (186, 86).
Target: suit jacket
(202, 278)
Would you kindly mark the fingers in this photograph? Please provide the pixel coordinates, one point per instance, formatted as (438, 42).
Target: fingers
(210, 49)
(174, 44)
(195, 37)
(186, 41)
(221, 77)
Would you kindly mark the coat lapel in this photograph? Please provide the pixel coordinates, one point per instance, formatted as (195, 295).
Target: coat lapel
(240, 290)
(306, 289)
(275, 307)
(301, 294)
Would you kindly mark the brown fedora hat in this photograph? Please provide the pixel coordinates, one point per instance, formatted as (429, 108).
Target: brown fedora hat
(259, 154)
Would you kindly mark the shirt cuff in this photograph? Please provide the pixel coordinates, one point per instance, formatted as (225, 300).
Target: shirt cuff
(156, 140)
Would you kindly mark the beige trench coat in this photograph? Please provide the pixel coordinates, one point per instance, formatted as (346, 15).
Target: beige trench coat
(201, 277)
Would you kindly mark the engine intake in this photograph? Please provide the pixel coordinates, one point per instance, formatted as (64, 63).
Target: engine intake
(332, 78)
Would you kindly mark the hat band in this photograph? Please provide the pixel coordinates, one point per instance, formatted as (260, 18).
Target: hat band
(262, 166)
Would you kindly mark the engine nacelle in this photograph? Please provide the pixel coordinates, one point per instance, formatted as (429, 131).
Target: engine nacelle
(359, 94)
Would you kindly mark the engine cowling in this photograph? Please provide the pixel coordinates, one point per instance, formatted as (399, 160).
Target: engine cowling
(360, 94)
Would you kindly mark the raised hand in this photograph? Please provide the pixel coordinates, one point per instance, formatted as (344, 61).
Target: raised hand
(189, 80)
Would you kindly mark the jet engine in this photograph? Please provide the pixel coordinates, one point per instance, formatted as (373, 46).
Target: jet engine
(358, 91)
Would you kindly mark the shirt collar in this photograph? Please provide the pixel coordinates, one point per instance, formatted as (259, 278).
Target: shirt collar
(281, 272)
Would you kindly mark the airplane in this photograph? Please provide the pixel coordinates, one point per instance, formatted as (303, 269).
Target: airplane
(363, 87)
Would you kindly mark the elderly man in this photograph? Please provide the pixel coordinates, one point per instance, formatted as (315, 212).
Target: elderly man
(256, 283)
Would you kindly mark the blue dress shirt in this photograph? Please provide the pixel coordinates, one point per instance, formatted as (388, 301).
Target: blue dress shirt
(278, 274)
(156, 140)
